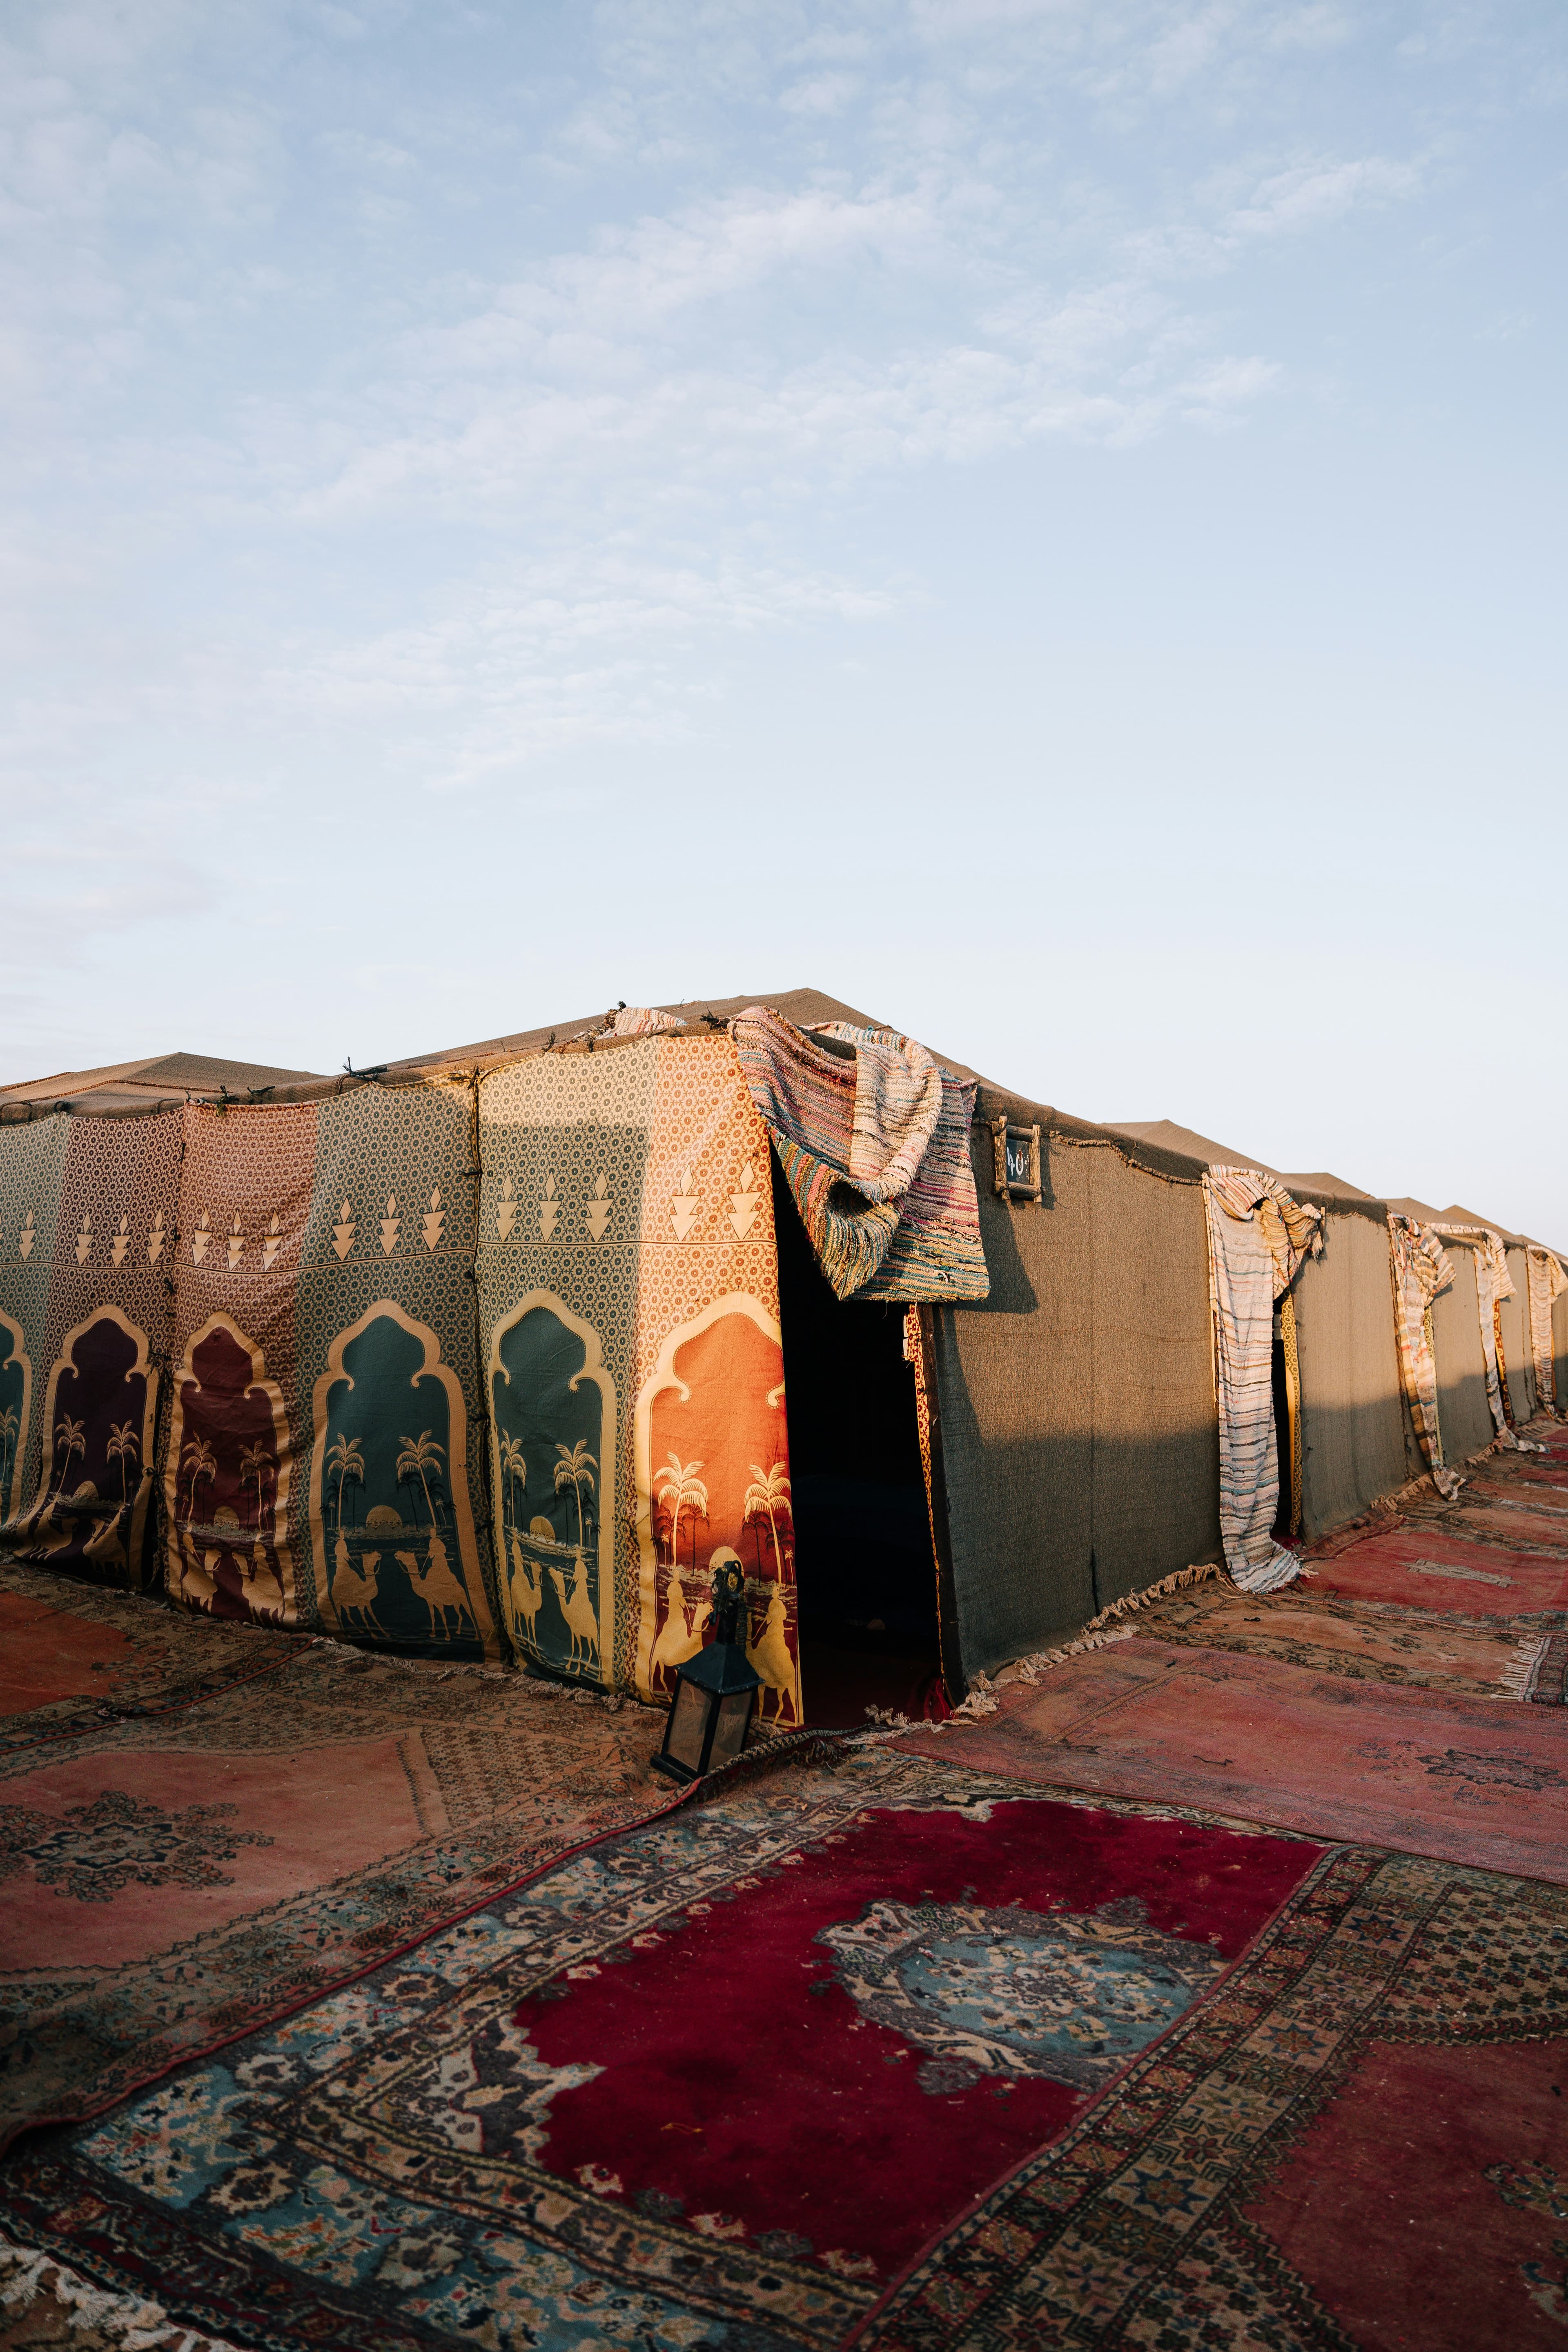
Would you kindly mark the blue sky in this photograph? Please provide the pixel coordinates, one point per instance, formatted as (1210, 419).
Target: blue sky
(1045, 520)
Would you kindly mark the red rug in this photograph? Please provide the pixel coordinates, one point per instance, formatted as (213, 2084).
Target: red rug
(182, 1875)
(1361, 2146)
(1442, 1571)
(73, 1656)
(1470, 1780)
(714, 2085)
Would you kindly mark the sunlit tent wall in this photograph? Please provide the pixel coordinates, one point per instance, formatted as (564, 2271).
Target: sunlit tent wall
(319, 1467)
(1080, 1447)
(629, 1327)
(1514, 1322)
(305, 1271)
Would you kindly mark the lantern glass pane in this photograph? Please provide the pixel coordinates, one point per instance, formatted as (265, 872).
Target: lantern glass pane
(687, 1722)
(734, 1714)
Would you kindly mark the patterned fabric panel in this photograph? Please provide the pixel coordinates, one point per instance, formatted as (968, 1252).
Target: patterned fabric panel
(1420, 1268)
(32, 1161)
(233, 1473)
(88, 1507)
(388, 1371)
(628, 1308)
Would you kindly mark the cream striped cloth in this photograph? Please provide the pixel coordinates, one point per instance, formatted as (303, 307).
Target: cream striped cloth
(1546, 1283)
(1421, 1269)
(1258, 1238)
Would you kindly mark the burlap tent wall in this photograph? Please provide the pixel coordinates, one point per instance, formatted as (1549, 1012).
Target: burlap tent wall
(1355, 1440)
(85, 1207)
(629, 1308)
(1513, 1317)
(1463, 1413)
(1079, 1442)
(319, 1466)
(1354, 1437)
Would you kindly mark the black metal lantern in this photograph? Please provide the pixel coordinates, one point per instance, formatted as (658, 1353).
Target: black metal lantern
(714, 1692)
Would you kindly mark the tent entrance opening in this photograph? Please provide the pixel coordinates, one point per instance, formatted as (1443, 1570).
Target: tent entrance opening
(864, 1572)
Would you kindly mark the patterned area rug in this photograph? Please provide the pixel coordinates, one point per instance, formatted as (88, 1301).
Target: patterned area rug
(74, 1656)
(713, 2084)
(172, 1880)
(1466, 1779)
(1474, 1656)
(1433, 1569)
(1359, 2142)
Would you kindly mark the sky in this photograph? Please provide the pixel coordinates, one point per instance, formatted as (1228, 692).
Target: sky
(1044, 518)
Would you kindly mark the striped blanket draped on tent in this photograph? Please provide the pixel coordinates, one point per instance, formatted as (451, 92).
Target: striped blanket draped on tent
(1258, 1238)
(1493, 1284)
(1421, 1269)
(1547, 1282)
(873, 1138)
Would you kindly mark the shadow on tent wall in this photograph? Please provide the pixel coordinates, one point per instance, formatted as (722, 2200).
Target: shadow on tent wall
(864, 1572)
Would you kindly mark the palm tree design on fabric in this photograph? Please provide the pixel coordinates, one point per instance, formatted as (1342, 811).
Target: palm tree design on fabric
(419, 1456)
(344, 1460)
(255, 1464)
(575, 1469)
(514, 1470)
(680, 1485)
(122, 1448)
(199, 1462)
(70, 1436)
(9, 1428)
(768, 1495)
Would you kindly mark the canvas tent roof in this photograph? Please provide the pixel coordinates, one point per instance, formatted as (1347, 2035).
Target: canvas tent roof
(801, 1005)
(1165, 1133)
(159, 1077)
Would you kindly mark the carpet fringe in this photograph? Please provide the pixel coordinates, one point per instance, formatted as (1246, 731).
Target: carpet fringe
(1108, 1626)
(1519, 1678)
(1096, 1635)
(125, 2319)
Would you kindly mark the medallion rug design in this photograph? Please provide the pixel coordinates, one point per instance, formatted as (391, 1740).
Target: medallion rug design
(715, 2084)
(1360, 2142)
(172, 1880)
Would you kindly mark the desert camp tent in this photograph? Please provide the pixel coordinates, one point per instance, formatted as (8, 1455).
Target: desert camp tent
(488, 1353)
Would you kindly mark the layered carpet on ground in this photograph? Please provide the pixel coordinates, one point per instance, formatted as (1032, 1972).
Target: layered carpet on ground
(1212, 1992)
(185, 1868)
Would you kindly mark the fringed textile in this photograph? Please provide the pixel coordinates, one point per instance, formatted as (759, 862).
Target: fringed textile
(874, 1147)
(1420, 1268)
(1258, 1238)
(1546, 1283)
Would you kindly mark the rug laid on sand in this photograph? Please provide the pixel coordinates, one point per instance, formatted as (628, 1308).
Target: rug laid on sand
(1436, 1569)
(1465, 1780)
(1476, 1656)
(74, 1656)
(169, 1882)
(1361, 2142)
(713, 2085)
